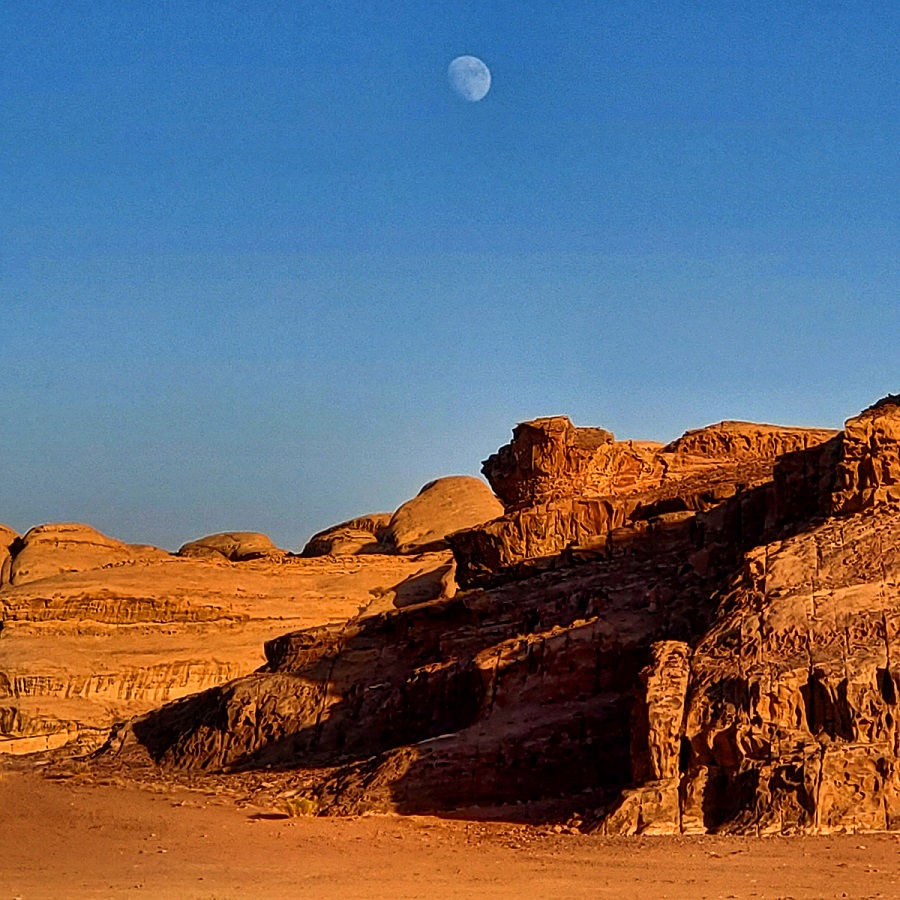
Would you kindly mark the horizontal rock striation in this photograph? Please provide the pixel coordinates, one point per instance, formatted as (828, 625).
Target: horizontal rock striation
(110, 631)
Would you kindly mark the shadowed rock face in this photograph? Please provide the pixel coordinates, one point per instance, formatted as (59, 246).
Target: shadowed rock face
(726, 663)
(790, 711)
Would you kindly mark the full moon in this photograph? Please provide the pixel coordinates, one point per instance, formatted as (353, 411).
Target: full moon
(469, 77)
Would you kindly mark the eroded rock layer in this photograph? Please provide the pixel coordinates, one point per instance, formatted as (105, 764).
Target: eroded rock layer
(719, 654)
(94, 631)
(790, 719)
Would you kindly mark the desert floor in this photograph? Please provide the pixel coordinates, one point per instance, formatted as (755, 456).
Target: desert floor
(71, 839)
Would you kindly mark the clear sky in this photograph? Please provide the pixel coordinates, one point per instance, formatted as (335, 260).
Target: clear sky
(262, 269)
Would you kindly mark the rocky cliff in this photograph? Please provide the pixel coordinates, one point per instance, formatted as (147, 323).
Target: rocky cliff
(94, 630)
(565, 486)
(717, 654)
(783, 716)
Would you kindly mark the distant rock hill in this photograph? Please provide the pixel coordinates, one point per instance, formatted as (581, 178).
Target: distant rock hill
(94, 630)
(424, 523)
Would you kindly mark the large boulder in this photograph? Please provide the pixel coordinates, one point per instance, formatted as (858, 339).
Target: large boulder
(234, 546)
(364, 534)
(55, 549)
(439, 509)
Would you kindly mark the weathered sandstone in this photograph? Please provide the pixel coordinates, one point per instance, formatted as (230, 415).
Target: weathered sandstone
(56, 549)
(567, 486)
(419, 525)
(364, 534)
(440, 508)
(719, 654)
(8, 538)
(82, 650)
(234, 546)
(790, 717)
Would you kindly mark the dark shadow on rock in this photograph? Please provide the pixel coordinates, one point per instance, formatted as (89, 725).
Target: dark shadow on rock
(519, 694)
(422, 588)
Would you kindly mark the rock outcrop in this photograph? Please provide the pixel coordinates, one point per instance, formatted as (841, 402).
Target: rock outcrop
(233, 546)
(94, 631)
(439, 509)
(723, 657)
(60, 548)
(868, 475)
(419, 525)
(364, 534)
(566, 486)
(790, 711)
(8, 539)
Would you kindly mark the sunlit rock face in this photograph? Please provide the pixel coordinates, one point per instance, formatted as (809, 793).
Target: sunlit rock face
(59, 548)
(234, 546)
(94, 631)
(441, 508)
(718, 659)
(568, 488)
(422, 524)
(363, 534)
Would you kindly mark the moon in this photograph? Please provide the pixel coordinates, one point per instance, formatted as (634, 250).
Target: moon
(469, 77)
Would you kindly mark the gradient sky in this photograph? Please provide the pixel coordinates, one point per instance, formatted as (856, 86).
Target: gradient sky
(261, 269)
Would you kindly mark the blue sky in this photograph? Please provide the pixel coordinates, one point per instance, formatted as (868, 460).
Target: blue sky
(261, 269)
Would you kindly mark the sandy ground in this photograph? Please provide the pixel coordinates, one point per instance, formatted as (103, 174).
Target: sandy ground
(65, 839)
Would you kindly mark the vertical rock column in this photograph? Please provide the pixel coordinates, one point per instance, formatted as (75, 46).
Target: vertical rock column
(653, 808)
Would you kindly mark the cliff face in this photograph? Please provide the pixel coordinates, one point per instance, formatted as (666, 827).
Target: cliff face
(717, 658)
(565, 487)
(790, 709)
(94, 630)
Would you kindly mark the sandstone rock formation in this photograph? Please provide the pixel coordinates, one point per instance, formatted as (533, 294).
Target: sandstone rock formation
(419, 525)
(567, 486)
(439, 509)
(364, 534)
(8, 538)
(55, 549)
(790, 717)
(720, 657)
(234, 546)
(93, 631)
